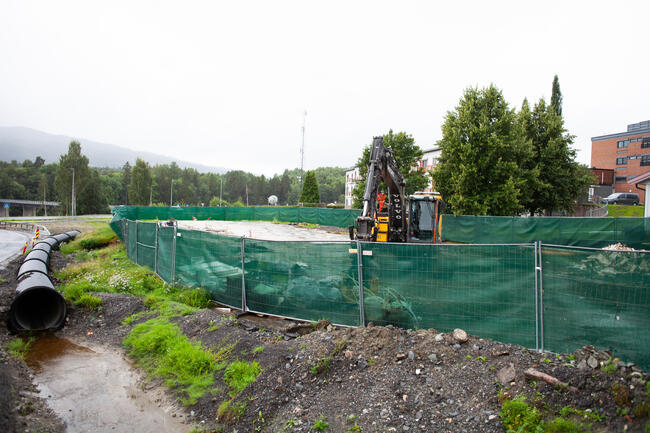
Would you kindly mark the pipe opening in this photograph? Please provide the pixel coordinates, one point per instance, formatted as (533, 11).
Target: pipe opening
(38, 309)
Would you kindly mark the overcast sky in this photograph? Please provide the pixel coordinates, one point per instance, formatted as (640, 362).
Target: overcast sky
(226, 83)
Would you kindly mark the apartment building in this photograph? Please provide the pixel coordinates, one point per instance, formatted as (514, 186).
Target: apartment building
(627, 153)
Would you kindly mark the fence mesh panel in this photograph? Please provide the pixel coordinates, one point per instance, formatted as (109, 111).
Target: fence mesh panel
(210, 261)
(486, 290)
(306, 280)
(146, 238)
(589, 296)
(165, 252)
(597, 297)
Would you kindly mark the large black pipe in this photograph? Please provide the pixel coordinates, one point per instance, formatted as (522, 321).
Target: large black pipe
(37, 305)
(43, 246)
(32, 266)
(39, 255)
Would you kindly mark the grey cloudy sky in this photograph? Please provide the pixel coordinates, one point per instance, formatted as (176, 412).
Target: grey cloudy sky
(225, 83)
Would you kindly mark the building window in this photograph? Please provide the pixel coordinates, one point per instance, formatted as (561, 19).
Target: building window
(621, 161)
(645, 160)
(646, 142)
(622, 143)
(621, 179)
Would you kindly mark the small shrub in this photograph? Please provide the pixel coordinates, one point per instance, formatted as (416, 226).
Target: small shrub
(258, 349)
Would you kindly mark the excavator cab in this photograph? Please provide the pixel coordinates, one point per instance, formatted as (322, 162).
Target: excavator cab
(424, 218)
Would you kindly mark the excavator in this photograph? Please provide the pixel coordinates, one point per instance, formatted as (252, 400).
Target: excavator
(395, 217)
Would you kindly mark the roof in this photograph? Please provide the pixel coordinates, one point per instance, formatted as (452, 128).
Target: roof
(31, 202)
(634, 129)
(433, 149)
(642, 178)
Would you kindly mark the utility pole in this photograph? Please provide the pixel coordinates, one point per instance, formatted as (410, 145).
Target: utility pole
(72, 202)
(44, 189)
(302, 150)
(150, 193)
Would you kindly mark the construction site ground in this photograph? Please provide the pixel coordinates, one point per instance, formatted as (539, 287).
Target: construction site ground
(372, 379)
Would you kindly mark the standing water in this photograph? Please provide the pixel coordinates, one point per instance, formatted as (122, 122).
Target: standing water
(97, 390)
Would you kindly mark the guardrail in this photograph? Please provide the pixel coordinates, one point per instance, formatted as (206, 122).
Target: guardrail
(5, 225)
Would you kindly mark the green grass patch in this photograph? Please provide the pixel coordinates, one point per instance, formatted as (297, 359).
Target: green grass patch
(520, 417)
(109, 270)
(19, 347)
(98, 238)
(258, 349)
(621, 210)
(240, 374)
(89, 301)
(163, 350)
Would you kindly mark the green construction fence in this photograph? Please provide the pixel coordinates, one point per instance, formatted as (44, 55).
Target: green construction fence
(541, 296)
(584, 232)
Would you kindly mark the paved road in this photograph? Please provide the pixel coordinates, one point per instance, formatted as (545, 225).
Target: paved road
(11, 243)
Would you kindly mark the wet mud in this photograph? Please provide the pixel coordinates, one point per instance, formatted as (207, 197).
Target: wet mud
(97, 389)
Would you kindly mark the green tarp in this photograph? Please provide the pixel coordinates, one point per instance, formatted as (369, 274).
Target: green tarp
(584, 232)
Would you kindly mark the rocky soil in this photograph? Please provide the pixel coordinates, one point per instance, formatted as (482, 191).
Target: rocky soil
(374, 379)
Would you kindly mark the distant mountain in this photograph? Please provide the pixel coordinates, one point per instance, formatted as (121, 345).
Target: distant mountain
(18, 143)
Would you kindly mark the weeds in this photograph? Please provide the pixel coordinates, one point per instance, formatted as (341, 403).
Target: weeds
(161, 348)
(518, 416)
(19, 347)
(610, 366)
(240, 374)
(320, 424)
(231, 410)
(258, 349)
(89, 301)
(259, 421)
(90, 241)
(321, 366)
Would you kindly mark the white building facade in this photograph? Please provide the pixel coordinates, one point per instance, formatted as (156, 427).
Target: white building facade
(352, 176)
(429, 160)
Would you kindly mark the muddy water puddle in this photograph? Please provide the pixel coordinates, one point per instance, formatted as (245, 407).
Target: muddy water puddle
(97, 390)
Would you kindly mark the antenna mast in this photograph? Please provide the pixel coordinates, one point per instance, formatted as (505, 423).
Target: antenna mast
(302, 150)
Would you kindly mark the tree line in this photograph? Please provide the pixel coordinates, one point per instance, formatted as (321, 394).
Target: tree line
(494, 159)
(163, 185)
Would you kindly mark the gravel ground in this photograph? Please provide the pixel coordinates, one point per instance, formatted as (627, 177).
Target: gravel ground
(268, 230)
(383, 379)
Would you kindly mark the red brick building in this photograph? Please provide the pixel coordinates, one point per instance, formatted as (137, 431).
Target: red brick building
(627, 153)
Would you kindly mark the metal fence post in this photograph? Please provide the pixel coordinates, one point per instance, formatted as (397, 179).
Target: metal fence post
(244, 307)
(155, 252)
(537, 269)
(541, 297)
(362, 313)
(125, 237)
(174, 256)
(137, 259)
